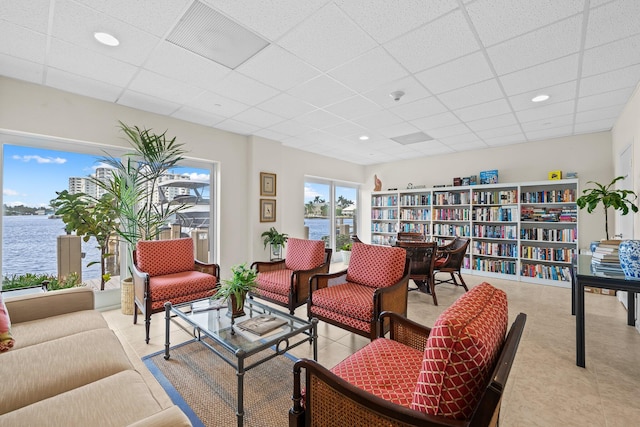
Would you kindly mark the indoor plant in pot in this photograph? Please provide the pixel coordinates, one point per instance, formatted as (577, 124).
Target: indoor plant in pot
(346, 252)
(276, 240)
(234, 290)
(621, 200)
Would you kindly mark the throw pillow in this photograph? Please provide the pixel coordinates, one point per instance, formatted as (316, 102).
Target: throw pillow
(6, 339)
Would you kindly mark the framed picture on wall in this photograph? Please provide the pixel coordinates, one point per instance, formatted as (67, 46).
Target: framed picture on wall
(267, 210)
(267, 184)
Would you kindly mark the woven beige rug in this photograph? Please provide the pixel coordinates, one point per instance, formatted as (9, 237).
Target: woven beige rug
(208, 385)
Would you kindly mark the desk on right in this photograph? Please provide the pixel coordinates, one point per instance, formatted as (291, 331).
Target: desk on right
(583, 274)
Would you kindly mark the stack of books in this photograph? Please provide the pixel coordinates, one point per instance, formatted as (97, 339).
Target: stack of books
(605, 256)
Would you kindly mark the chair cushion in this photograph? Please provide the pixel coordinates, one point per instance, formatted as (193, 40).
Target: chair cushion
(276, 281)
(160, 257)
(385, 368)
(440, 262)
(284, 299)
(304, 254)
(171, 286)
(461, 352)
(348, 299)
(6, 339)
(376, 266)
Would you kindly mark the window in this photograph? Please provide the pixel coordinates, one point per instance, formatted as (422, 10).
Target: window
(33, 173)
(330, 212)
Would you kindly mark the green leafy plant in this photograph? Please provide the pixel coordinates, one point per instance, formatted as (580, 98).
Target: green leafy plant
(346, 247)
(243, 280)
(29, 280)
(609, 197)
(273, 237)
(89, 217)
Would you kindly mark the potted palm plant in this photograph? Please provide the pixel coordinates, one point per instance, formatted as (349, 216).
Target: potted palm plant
(276, 240)
(235, 289)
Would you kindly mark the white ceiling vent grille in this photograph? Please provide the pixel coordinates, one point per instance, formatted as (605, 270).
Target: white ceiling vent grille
(207, 33)
(412, 138)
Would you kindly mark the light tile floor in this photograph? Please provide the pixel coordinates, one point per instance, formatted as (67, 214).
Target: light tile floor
(545, 387)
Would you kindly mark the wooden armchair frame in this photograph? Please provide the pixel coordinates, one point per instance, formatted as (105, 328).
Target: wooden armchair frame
(404, 236)
(391, 298)
(423, 257)
(299, 294)
(331, 401)
(142, 291)
(450, 257)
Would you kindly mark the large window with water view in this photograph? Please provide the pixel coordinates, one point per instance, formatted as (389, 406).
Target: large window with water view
(330, 213)
(33, 177)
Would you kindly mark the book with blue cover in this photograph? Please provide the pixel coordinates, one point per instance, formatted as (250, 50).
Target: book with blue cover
(489, 177)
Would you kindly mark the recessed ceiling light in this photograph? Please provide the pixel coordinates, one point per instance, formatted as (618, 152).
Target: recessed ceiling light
(540, 98)
(106, 38)
(364, 138)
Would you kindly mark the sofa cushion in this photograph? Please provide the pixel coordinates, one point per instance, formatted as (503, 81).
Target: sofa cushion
(38, 331)
(160, 257)
(385, 368)
(376, 266)
(304, 254)
(275, 281)
(6, 338)
(116, 400)
(461, 352)
(53, 367)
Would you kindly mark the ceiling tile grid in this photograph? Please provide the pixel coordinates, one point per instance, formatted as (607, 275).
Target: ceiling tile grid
(468, 69)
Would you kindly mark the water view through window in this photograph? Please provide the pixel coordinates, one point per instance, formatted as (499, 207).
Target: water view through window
(31, 178)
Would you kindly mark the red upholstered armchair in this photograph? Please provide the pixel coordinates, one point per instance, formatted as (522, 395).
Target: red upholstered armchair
(286, 282)
(376, 280)
(165, 270)
(453, 374)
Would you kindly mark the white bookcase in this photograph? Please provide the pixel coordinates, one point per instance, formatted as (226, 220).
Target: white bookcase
(519, 231)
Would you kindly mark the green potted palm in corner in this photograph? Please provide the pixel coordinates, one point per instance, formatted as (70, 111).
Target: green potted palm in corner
(132, 184)
(276, 240)
(235, 289)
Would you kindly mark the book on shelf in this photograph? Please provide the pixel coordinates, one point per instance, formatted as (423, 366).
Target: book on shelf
(261, 324)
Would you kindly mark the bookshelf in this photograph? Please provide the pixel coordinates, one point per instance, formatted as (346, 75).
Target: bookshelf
(519, 231)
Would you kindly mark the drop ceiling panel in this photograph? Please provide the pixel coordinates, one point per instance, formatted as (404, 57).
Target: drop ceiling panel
(25, 44)
(431, 148)
(320, 40)
(599, 113)
(236, 126)
(617, 97)
(611, 56)
(548, 123)
(147, 103)
(197, 116)
(319, 119)
(456, 74)
(444, 132)
(543, 45)
(217, 104)
(548, 74)
(345, 129)
(291, 127)
(436, 121)
(601, 83)
(545, 111)
(286, 106)
(244, 89)
(271, 134)
(353, 107)
(601, 29)
(278, 68)
(474, 94)
(557, 93)
(442, 40)
(399, 129)
(505, 140)
(73, 83)
(467, 146)
(389, 19)
(549, 133)
(17, 68)
(321, 91)
(499, 131)
(369, 70)
(409, 85)
(464, 138)
(594, 126)
(153, 84)
(422, 108)
(33, 14)
(497, 20)
(258, 117)
(481, 111)
(378, 120)
(493, 122)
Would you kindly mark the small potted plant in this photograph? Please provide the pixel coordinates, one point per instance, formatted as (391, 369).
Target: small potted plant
(346, 252)
(234, 290)
(276, 240)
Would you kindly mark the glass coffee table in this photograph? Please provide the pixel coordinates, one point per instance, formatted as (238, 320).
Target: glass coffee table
(208, 318)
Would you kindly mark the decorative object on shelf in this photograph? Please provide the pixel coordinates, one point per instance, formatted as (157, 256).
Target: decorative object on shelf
(267, 184)
(346, 253)
(489, 177)
(571, 175)
(457, 181)
(377, 186)
(267, 210)
(409, 186)
(629, 254)
(553, 175)
(276, 240)
(243, 281)
(617, 199)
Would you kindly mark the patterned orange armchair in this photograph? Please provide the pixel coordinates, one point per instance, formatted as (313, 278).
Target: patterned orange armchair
(286, 282)
(165, 270)
(376, 280)
(453, 374)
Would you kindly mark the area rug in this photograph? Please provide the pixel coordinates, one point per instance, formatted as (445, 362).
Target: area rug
(205, 387)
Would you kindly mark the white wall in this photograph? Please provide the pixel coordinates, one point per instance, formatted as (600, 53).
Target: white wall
(590, 155)
(625, 132)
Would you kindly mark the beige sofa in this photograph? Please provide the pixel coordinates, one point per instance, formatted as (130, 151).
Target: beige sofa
(67, 368)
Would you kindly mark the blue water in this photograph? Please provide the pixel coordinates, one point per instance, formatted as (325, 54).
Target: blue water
(29, 246)
(319, 227)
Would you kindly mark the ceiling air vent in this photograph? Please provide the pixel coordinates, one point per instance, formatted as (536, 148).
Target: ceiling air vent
(412, 138)
(207, 33)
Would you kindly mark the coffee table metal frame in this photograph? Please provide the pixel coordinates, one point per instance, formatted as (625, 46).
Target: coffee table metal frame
(216, 325)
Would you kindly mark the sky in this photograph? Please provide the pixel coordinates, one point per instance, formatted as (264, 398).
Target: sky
(31, 176)
(312, 189)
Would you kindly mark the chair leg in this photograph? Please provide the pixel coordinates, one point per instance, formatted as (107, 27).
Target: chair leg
(147, 326)
(462, 283)
(135, 313)
(431, 287)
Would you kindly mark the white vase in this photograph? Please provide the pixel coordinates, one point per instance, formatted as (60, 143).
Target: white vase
(629, 254)
(346, 256)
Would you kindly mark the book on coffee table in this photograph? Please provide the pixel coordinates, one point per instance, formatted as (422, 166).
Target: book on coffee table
(261, 324)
